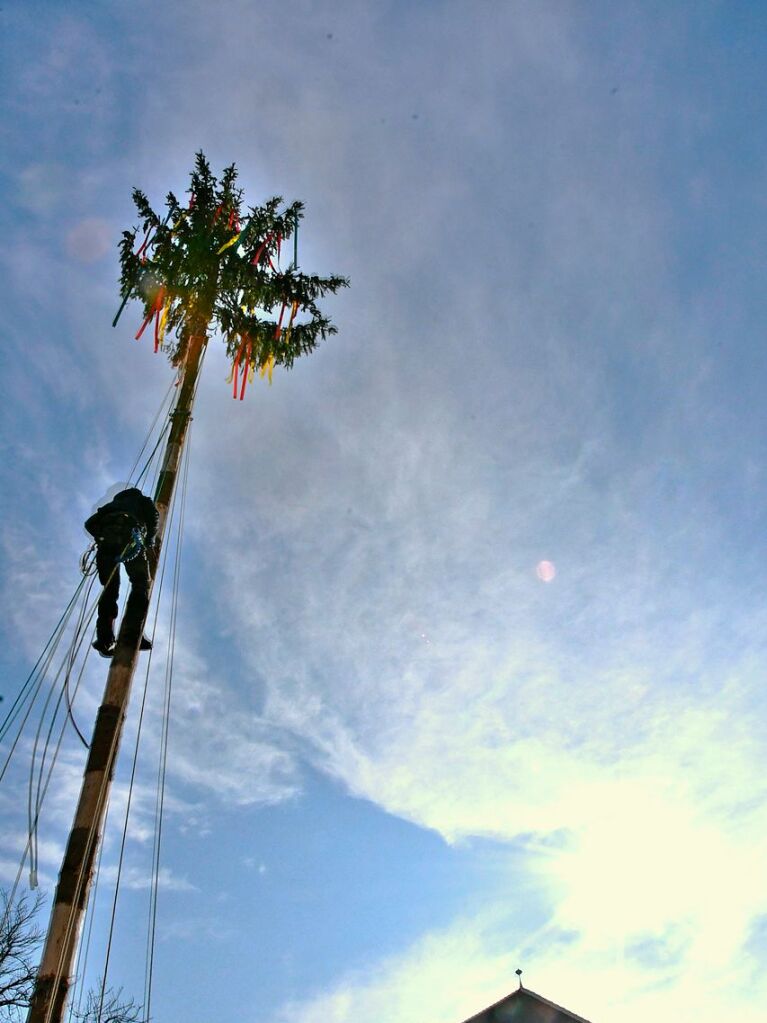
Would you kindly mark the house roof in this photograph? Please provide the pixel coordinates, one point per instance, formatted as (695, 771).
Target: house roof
(524, 1006)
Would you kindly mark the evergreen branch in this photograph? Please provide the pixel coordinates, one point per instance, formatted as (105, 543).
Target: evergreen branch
(234, 287)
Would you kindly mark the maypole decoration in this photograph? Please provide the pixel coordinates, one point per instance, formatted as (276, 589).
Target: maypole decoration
(213, 262)
(211, 265)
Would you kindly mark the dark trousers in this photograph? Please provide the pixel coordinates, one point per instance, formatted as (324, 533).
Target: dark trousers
(138, 599)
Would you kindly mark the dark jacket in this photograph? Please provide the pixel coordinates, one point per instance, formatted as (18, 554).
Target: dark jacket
(141, 509)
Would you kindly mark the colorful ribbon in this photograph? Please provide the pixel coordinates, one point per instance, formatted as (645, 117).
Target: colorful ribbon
(226, 245)
(264, 243)
(278, 331)
(162, 325)
(246, 350)
(293, 311)
(174, 227)
(153, 311)
(245, 369)
(141, 251)
(159, 307)
(236, 366)
(267, 367)
(262, 246)
(246, 231)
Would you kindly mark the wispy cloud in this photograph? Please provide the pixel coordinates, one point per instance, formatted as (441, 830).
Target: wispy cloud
(527, 371)
(449, 975)
(597, 714)
(136, 879)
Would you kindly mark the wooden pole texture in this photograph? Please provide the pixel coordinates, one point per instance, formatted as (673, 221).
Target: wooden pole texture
(49, 998)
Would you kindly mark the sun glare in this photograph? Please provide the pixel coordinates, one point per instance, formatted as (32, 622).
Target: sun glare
(546, 571)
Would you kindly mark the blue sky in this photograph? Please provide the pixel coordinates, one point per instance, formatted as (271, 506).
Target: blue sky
(401, 763)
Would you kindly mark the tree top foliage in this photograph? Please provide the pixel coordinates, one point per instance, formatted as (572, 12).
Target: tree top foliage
(215, 263)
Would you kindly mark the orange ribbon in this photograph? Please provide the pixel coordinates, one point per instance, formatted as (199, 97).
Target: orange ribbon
(155, 310)
(264, 243)
(236, 366)
(245, 369)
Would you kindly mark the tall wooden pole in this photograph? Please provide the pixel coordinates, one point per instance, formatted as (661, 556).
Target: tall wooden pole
(54, 974)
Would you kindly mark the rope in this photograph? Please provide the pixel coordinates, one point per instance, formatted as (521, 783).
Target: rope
(84, 949)
(164, 743)
(46, 656)
(103, 793)
(161, 797)
(165, 402)
(26, 699)
(22, 861)
(81, 877)
(77, 641)
(160, 439)
(41, 667)
(74, 649)
(132, 779)
(33, 820)
(43, 760)
(162, 771)
(51, 646)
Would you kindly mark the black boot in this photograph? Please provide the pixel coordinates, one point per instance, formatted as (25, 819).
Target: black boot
(106, 647)
(105, 634)
(143, 643)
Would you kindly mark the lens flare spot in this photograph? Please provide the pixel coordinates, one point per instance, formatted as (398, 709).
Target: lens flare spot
(546, 571)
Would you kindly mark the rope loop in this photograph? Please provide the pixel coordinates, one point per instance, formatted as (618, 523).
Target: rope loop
(135, 546)
(88, 560)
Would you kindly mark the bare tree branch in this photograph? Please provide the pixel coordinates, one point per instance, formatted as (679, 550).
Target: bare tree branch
(20, 942)
(112, 1010)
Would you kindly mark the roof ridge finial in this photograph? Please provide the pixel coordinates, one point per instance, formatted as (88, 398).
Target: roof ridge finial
(519, 975)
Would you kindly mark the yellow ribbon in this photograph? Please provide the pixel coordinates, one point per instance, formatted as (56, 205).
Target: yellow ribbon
(184, 213)
(267, 368)
(163, 322)
(226, 245)
(293, 311)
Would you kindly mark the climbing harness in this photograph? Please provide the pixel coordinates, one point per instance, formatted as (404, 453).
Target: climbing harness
(88, 560)
(135, 546)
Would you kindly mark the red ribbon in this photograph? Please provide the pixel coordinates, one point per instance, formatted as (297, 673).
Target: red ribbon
(245, 369)
(155, 310)
(159, 301)
(278, 331)
(254, 261)
(236, 366)
(141, 251)
(144, 325)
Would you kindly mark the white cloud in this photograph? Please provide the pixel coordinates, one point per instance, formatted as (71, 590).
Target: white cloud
(597, 722)
(603, 720)
(451, 974)
(442, 979)
(473, 417)
(135, 879)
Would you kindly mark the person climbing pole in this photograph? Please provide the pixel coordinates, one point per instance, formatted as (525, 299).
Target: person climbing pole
(124, 530)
